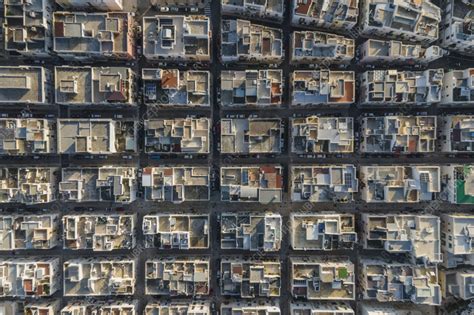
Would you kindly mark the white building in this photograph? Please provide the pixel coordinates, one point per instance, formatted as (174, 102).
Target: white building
(457, 33)
(457, 239)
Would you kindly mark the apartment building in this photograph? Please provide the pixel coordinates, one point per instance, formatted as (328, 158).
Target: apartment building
(394, 51)
(244, 41)
(41, 307)
(266, 9)
(377, 308)
(177, 37)
(94, 35)
(263, 184)
(458, 87)
(457, 239)
(329, 278)
(251, 231)
(398, 134)
(99, 232)
(102, 5)
(96, 136)
(28, 231)
(394, 87)
(101, 307)
(416, 235)
(25, 85)
(94, 85)
(398, 282)
(179, 4)
(457, 133)
(251, 88)
(313, 231)
(322, 87)
(249, 278)
(176, 88)
(27, 27)
(176, 231)
(411, 21)
(400, 183)
(32, 185)
(313, 134)
(178, 135)
(458, 180)
(27, 136)
(176, 184)
(99, 277)
(321, 308)
(29, 277)
(318, 47)
(458, 31)
(331, 14)
(105, 183)
(178, 307)
(251, 136)
(174, 276)
(251, 307)
(320, 183)
(458, 283)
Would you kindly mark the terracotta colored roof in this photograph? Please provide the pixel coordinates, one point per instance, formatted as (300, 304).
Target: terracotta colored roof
(169, 79)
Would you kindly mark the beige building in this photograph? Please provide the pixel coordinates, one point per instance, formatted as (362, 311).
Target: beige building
(103, 5)
(315, 134)
(458, 283)
(99, 277)
(321, 308)
(27, 136)
(172, 276)
(331, 14)
(378, 308)
(264, 9)
(177, 307)
(25, 85)
(176, 231)
(255, 307)
(100, 307)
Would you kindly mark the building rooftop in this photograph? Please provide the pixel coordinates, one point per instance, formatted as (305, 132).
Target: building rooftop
(312, 231)
(99, 277)
(389, 87)
(176, 231)
(458, 130)
(177, 37)
(178, 307)
(252, 87)
(315, 134)
(378, 308)
(96, 136)
(250, 278)
(29, 277)
(105, 183)
(27, 136)
(178, 135)
(416, 235)
(30, 185)
(322, 279)
(94, 35)
(176, 88)
(252, 307)
(393, 51)
(396, 282)
(332, 183)
(314, 47)
(177, 276)
(102, 232)
(322, 87)
(251, 135)
(245, 41)
(457, 283)
(262, 184)
(457, 231)
(265, 9)
(459, 87)
(326, 13)
(100, 307)
(316, 308)
(400, 183)
(411, 20)
(94, 85)
(252, 232)
(458, 35)
(398, 134)
(176, 184)
(24, 85)
(28, 231)
(26, 27)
